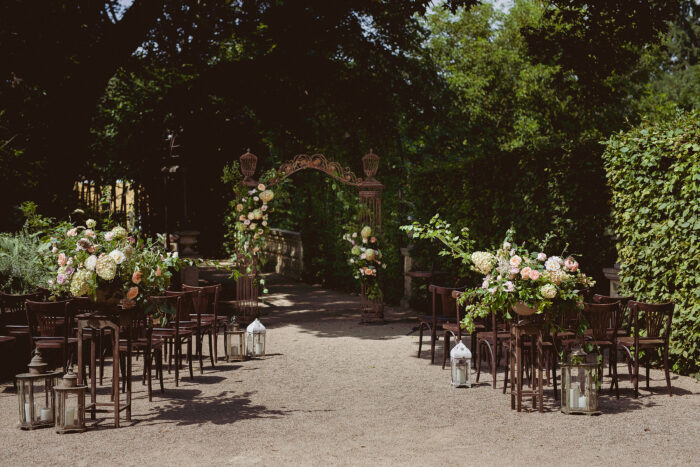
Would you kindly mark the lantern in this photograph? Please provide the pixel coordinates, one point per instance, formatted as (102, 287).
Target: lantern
(35, 395)
(234, 342)
(255, 339)
(579, 393)
(461, 363)
(70, 405)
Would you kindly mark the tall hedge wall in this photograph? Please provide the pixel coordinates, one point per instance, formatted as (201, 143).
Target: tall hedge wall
(654, 175)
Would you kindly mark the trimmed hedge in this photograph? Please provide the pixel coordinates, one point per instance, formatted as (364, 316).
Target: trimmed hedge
(654, 175)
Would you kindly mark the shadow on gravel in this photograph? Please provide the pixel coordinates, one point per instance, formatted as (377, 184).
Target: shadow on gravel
(225, 408)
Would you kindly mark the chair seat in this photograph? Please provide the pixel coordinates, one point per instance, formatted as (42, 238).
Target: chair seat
(170, 332)
(600, 343)
(452, 327)
(6, 339)
(429, 318)
(17, 329)
(140, 343)
(488, 335)
(643, 341)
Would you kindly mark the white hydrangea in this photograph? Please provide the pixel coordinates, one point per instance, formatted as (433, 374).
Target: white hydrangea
(548, 291)
(90, 223)
(79, 284)
(553, 263)
(556, 276)
(106, 267)
(483, 261)
(119, 232)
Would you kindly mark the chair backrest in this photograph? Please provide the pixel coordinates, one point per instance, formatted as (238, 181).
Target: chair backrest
(48, 319)
(624, 319)
(443, 303)
(207, 298)
(656, 319)
(13, 306)
(168, 305)
(187, 303)
(600, 316)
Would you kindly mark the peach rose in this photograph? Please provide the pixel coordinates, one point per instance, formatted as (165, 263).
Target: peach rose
(525, 272)
(515, 261)
(534, 274)
(159, 272)
(62, 259)
(136, 277)
(132, 293)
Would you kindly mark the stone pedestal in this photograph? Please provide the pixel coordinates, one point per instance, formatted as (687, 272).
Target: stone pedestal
(187, 243)
(611, 274)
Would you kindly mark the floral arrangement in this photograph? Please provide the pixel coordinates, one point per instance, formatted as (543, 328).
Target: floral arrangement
(365, 258)
(107, 265)
(513, 275)
(247, 220)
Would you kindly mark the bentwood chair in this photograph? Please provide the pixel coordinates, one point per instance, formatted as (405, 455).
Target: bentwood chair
(190, 309)
(455, 330)
(174, 335)
(495, 339)
(655, 321)
(139, 338)
(50, 328)
(14, 321)
(206, 306)
(443, 305)
(600, 316)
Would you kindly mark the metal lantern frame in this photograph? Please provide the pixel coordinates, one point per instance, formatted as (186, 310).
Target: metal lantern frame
(370, 195)
(35, 395)
(70, 418)
(460, 366)
(255, 339)
(235, 338)
(579, 391)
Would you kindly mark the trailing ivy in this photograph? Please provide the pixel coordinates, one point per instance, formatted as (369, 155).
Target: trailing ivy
(653, 172)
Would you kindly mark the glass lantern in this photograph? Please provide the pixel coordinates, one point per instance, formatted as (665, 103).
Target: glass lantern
(461, 363)
(70, 405)
(35, 395)
(579, 393)
(255, 339)
(234, 342)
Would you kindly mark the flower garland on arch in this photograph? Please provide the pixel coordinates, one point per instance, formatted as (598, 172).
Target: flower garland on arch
(248, 221)
(365, 259)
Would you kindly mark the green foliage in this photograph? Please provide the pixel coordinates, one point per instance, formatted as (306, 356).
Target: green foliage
(654, 174)
(21, 266)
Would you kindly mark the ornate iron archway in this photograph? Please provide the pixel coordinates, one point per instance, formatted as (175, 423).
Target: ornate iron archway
(370, 194)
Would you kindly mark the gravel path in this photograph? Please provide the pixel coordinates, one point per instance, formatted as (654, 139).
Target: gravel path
(332, 391)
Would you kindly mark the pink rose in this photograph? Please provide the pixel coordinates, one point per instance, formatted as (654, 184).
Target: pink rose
(541, 257)
(534, 274)
(132, 293)
(158, 271)
(373, 239)
(69, 271)
(515, 261)
(62, 259)
(525, 272)
(571, 264)
(131, 239)
(61, 279)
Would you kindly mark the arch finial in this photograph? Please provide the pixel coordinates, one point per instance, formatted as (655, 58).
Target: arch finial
(370, 164)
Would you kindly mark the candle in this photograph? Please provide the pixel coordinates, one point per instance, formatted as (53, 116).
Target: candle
(27, 412)
(461, 376)
(582, 402)
(234, 351)
(574, 397)
(70, 416)
(46, 414)
(258, 348)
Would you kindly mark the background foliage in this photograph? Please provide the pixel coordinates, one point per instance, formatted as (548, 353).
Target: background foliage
(654, 174)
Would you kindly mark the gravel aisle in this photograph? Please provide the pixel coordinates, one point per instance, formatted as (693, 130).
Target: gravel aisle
(332, 391)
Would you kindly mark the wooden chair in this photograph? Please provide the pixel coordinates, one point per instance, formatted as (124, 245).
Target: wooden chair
(174, 335)
(455, 330)
(206, 305)
(102, 337)
(189, 308)
(139, 338)
(656, 321)
(495, 339)
(14, 320)
(600, 316)
(442, 311)
(50, 328)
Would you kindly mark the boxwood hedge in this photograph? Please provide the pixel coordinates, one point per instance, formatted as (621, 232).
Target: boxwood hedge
(653, 172)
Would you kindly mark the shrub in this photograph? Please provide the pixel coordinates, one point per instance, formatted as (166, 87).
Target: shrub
(654, 174)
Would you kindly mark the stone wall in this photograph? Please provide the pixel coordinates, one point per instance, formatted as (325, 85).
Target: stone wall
(284, 253)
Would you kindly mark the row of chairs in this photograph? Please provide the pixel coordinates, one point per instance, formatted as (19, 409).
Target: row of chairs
(615, 324)
(52, 327)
